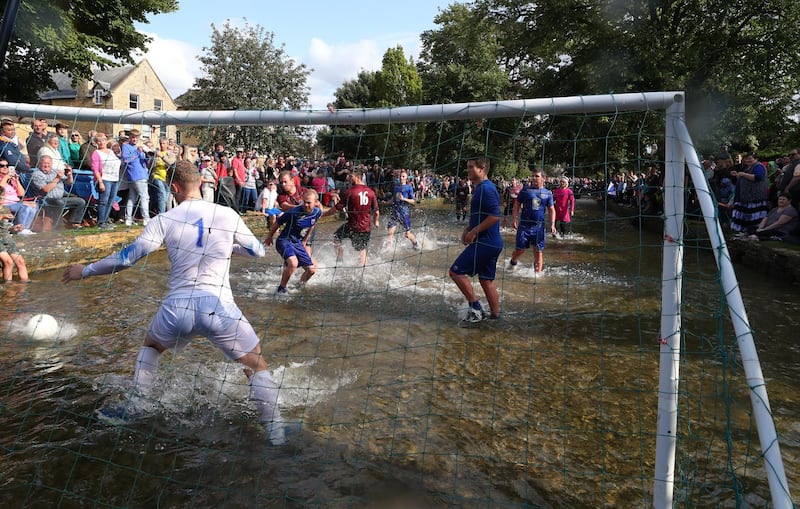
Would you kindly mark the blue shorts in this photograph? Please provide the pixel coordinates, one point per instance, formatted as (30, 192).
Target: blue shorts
(395, 219)
(178, 320)
(480, 259)
(530, 236)
(287, 249)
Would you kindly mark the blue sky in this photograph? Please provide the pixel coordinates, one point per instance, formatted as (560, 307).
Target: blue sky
(336, 39)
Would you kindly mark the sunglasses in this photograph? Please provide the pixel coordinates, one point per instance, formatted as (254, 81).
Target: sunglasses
(3, 166)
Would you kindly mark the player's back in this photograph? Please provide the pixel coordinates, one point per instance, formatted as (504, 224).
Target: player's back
(199, 237)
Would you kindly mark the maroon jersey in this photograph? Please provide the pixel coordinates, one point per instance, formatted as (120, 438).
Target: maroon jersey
(293, 200)
(359, 201)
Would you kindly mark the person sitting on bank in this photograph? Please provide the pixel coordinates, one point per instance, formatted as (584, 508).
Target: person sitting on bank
(49, 185)
(780, 221)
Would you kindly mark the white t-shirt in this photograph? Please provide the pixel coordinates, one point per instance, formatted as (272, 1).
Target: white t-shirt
(200, 237)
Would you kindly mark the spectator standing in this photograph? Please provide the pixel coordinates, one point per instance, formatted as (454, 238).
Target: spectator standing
(163, 159)
(750, 204)
(106, 169)
(11, 148)
(36, 140)
(208, 178)
(74, 146)
(135, 162)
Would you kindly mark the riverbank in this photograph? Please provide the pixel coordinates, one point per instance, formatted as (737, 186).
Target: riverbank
(773, 258)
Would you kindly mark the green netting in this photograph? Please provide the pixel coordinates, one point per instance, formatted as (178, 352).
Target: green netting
(400, 406)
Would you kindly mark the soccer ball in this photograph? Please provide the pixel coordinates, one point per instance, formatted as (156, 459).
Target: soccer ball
(42, 327)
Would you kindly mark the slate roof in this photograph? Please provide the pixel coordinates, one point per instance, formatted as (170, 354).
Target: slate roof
(105, 78)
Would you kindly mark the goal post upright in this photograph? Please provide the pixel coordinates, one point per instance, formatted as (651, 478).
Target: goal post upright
(670, 328)
(765, 424)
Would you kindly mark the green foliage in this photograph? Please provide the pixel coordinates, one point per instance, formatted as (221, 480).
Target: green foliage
(243, 70)
(397, 83)
(69, 36)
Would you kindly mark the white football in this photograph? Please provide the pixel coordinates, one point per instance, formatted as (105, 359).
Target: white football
(42, 327)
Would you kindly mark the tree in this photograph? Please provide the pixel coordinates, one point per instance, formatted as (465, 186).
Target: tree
(397, 83)
(463, 62)
(733, 59)
(243, 70)
(70, 36)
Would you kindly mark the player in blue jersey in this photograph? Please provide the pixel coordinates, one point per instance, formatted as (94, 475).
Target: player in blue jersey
(298, 227)
(200, 237)
(401, 214)
(483, 241)
(529, 219)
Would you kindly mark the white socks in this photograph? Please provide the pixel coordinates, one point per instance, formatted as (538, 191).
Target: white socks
(265, 396)
(146, 369)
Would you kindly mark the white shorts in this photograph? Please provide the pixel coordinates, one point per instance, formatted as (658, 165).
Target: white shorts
(178, 320)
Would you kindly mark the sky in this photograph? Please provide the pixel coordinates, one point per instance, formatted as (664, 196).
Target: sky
(334, 39)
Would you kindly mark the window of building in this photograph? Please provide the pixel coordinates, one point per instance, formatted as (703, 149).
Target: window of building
(158, 104)
(134, 101)
(178, 138)
(98, 96)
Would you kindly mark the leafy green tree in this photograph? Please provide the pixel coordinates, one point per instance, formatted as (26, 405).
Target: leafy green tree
(463, 62)
(353, 94)
(397, 84)
(69, 36)
(243, 70)
(733, 59)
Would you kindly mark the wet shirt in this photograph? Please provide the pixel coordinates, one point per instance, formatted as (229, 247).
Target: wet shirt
(200, 237)
(406, 191)
(298, 222)
(486, 202)
(533, 203)
(359, 201)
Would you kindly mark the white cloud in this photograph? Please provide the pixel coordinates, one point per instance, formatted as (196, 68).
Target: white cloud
(333, 65)
(175, 62)
(177, 66)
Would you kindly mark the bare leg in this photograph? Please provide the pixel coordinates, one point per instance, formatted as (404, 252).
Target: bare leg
(289, 266)
(465, 285)
(492, 296)
(8, 266)
(22, 269)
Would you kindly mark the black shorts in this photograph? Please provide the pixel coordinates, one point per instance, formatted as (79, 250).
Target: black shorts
(360, 240)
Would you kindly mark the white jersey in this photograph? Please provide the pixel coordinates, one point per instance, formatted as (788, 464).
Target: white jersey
(200, 238)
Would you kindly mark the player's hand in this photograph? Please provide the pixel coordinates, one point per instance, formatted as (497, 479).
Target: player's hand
(470, 236)
(268, 241)
(72, 273)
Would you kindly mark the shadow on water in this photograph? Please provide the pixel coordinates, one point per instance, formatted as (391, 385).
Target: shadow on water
(553, 407)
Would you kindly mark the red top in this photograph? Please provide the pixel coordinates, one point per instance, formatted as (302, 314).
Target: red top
(360, 201)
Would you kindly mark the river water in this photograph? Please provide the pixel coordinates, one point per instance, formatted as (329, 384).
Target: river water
(553, 407)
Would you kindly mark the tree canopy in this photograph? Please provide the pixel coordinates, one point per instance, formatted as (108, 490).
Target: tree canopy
(69, 36)
(242, 69)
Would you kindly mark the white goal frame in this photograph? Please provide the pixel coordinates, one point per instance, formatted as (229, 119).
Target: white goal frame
(679, 154)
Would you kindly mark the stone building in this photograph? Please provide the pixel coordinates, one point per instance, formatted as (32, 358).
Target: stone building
(133, 87)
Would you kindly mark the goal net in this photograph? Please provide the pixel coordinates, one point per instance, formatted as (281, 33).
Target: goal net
(624, 374)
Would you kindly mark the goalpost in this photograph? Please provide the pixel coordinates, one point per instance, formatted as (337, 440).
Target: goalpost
(679, 155)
